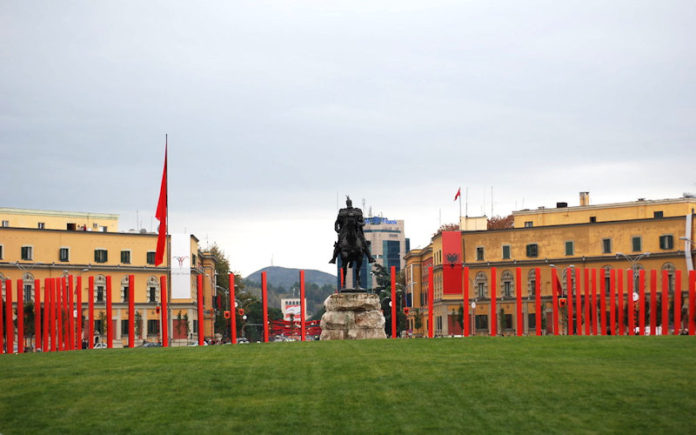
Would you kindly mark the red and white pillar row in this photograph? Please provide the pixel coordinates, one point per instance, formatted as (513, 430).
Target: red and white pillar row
(201, 333)
(537, 297)
(163, 311)
(264, 303)
(518, 287)
(494, 301)
(131, 311)
(109, 324)
(393, 301)
(430, 302)
(466, 319)
(233, 311)
(303, 325)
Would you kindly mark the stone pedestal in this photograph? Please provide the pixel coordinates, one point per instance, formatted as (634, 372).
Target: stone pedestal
(352, 316)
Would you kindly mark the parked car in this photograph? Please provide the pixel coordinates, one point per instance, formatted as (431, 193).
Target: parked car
(151, 344)
(242, 340)
(100, 346)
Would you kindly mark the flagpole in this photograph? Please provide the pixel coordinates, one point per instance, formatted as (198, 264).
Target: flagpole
(460, 207)
(168, 246)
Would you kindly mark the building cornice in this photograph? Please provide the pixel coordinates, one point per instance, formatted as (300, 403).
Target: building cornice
(605, 206)
(57, 213)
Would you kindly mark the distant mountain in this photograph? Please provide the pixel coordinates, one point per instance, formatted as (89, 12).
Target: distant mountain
(285, 277)
(318, 286)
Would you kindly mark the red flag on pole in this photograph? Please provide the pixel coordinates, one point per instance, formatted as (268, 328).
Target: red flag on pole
(459, 193)
(161, 214)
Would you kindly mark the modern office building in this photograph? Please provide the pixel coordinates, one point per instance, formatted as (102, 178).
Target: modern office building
(637, 235)
(388, 244)
(36, 245)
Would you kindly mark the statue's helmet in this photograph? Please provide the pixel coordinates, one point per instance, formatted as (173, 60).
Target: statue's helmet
(349, 203)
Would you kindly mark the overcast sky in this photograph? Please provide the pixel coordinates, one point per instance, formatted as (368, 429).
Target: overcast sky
(276, 109)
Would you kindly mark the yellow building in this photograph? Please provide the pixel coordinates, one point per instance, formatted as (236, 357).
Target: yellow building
(37, 245)
(637, 235)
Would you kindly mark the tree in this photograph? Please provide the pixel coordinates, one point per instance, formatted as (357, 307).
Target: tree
(446, 227)
(222, 267)
(383, 290)
(501, 223)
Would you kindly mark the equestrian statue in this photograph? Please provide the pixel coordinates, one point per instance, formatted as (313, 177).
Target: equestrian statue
(351, 244)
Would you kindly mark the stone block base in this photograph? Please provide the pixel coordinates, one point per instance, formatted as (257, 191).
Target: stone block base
(352, 316)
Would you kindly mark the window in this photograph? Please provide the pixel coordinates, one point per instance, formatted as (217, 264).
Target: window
(125, 257)
(569, 248)
(27, 252)
(658, 214)
(124, 327)
(507, 321)
(507, 289)
(42, 225)
(153, 327)
(506, 252)
(531, 321)
(98, 326)
(64, 254)
(593, 219)
(100, 256)
(667, 241)
(193, 260)
(28, 291)
(532, 250)
(479, 253)
(151, 257)
(5, 223)
(481, 290)
(637, 244)
(100, 293)
(152, 294)
(482, 322)
(1, 249)
(195, 326)
(606, 246)
(124, 294)
(528, 224)
(438, 323)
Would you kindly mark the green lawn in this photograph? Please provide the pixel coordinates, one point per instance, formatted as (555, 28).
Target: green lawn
(525, 384)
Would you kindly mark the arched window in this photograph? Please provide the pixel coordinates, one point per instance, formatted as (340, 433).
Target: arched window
(669, 267)
(153, 290)
(481, 285)
(100, 288)
(124, 289)
(507, 286)
(28, 282)
(531, 282)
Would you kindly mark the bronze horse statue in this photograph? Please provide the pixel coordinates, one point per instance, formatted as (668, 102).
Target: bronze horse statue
(351, 244)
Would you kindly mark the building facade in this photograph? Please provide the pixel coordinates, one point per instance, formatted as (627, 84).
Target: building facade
(388, 245)
(622, 237)
(36, 245)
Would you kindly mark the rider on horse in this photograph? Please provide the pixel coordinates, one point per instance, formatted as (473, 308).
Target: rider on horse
(350, 218)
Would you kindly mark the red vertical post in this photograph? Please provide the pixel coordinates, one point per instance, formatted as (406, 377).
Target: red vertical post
(494, 301)
(653, 302)
(554, 289)
(594, 301)
(264, 298)
(692, 301)
(619, 301)
(90, 311)
(131, 311)
(64, 311)
(78, 290)
(665, 303)
(586, 281)
(569, 286)
(641, 302)
(303, 324)
(109, 314)
(603, 301)
(37, 314)
(233, 311)
(163, 311)
(466, 319)
(201, 333)
(392, 272)
(612, 301)
(52, 309)
(578, 303)
(20, 316)
(537, 296)
(2, 324)
(629, 302)
(9, 322)
(59, 308)
(430, 302)
(677, 302)
(518, 287)
(46, 315)
(71, 315)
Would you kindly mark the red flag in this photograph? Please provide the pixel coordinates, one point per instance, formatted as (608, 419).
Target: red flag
(459, 193)
(161, 214)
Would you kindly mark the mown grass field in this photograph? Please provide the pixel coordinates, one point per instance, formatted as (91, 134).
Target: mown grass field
(526, 384)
